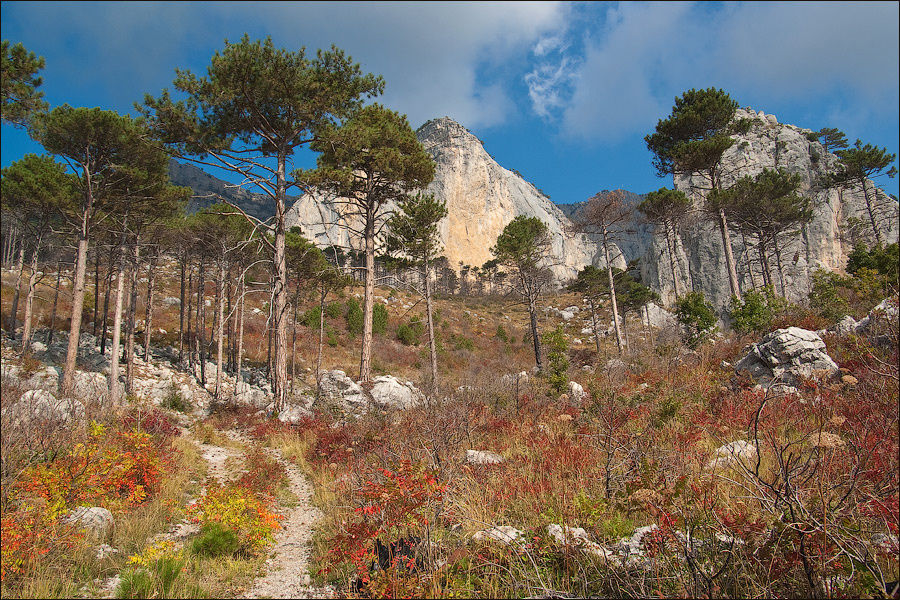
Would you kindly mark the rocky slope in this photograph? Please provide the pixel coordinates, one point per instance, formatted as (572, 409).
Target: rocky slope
(823, 243)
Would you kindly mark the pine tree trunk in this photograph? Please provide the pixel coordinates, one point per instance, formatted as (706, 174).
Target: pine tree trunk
(55, 303)
(365, 363)
(870, 209)
(323, 293)
(764, 259)
(238, 378)
(780, 267)
(620, 343)
(220, 329)
(148, 316)
(29, 298)
(114, 387)
(294, 337)
(68, 381)
(676, 284)
(183, 260)
(432, 343)
(729, 255)
(189, 337)
(20, 277)
(130, 327)
(535, 336)
(107, 279)
(201, 323)
(280, 288)
(749, 261)
(96, 289)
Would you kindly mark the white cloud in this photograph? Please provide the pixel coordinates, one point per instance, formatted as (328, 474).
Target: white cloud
(646, 54)
(549, 85)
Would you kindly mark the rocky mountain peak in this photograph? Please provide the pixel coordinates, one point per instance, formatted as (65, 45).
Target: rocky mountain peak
(446, 132)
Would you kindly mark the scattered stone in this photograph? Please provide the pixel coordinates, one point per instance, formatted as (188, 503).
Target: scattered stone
(95, 520)
(849, 380)
(295, 413)
(105, 550)
(565, 418)
(513, 378)
(846, 326)
(788, 356)
(505, 534)
(659, 317)
(38, 347)
(390, 392)
(483, 457)
(342, 394)
(732, 453)
(576, 391)
(90, 385)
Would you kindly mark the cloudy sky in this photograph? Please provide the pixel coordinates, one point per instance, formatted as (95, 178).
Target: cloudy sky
(562, 92)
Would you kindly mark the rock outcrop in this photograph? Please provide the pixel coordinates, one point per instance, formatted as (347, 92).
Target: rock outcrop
(823, 243)
(786, 356)
(482, 198)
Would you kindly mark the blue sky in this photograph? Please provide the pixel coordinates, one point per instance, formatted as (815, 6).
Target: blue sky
(562, 92)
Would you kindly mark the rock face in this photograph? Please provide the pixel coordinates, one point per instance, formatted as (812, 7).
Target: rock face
(482, 198)
(38, 406)
(788, 356)
(342, 393)
(821, 244)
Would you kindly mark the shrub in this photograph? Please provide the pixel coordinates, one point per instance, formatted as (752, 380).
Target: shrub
(825, 296)
(884, 260)
(238, 509)
(501, 334)
(354, 317)
(461, 342)
(757, 311)
(410, 334)
(697, 315)
(215, 540)
(557, 359)
(379, 318)
(311, 317)
(154, 572)
(333, 310)
(175, 401)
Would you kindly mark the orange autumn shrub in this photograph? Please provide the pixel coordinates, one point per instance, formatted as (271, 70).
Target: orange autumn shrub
(240, 510)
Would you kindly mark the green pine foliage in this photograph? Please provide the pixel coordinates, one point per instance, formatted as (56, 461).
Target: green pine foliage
(757, 311)
(697, 316)
(557, 360)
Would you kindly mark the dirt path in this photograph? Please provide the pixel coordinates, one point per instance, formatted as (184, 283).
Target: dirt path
(287, 572)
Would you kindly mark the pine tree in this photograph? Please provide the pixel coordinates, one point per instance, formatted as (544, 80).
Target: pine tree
(19, 93)
(523, 247)
(372, 160)
(691, 141)
(413, 231)
(251, 112)
(667, 209)
(861, 163)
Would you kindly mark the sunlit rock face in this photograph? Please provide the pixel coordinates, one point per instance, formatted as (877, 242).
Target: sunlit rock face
(839, 217)
(482, 198)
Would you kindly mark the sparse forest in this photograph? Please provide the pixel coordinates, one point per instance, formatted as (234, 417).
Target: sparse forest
(209, 403)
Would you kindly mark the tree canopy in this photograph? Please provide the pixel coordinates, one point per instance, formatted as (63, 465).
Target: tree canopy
(19, 92)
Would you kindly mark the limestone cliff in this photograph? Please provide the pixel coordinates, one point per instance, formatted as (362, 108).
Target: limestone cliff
(824, 243)
(482, 198)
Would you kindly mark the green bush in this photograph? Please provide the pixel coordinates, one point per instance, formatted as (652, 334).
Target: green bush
(757, 311)
(557, 359)
(461, 342)
(333, 310)
(175, 401)
(331, 337)
(354, 317)
(884, 260)
(379, 318)
(311, 317)
(697, 315)
(501, 334)
(216, 540)
(825, 296)
(410, 334)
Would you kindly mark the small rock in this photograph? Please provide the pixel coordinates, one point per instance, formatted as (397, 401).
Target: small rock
(564, 418)
(732, 453)
(96, 520)
(828, 441)
(849, 380)
(576, 391)
(505, 534)
(104, 550)
(483, 457)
